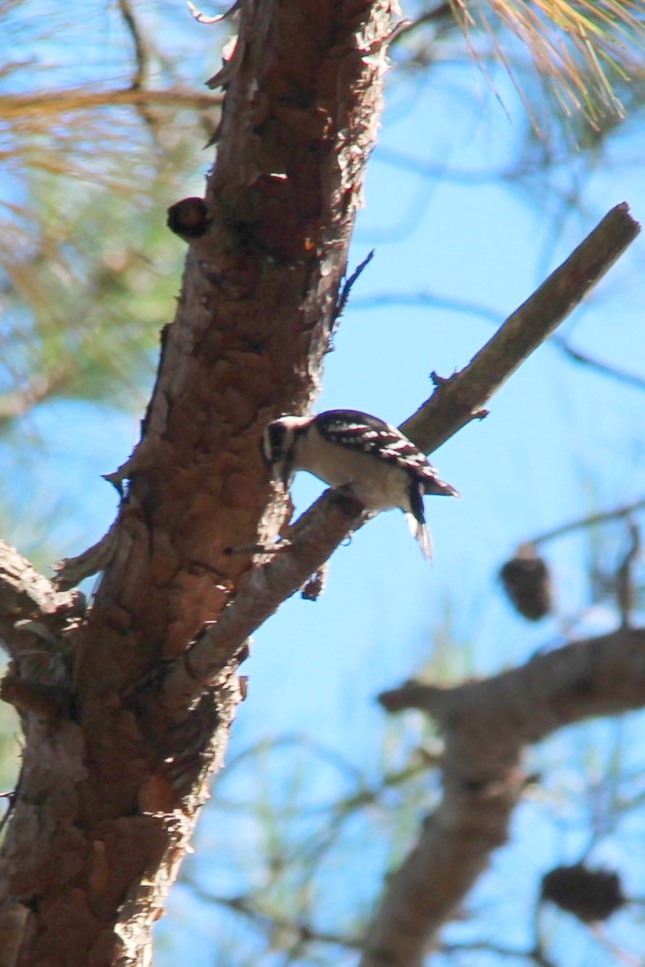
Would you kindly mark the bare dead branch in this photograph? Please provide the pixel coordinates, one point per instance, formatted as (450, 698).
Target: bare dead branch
(486, 724)
(590, 520)
(455, 402)
(463, 396)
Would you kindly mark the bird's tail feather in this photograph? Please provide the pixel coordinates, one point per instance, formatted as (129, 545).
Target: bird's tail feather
(439, 487)
(421, 534)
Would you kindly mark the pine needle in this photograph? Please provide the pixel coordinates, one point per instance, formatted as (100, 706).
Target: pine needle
(580, 47)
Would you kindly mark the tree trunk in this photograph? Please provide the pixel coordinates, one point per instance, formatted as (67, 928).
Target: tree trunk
(109, 791)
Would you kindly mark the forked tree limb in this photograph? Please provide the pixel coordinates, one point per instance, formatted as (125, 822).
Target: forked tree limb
(486, 726)
(455, 402)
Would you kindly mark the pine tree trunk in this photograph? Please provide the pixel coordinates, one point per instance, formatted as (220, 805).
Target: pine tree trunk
(110, 788)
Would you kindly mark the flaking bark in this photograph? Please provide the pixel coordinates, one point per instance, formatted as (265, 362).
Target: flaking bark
(107, 798)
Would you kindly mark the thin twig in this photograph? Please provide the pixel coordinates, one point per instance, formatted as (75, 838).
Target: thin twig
(248, 907)
(17, 402)
(141, 63)
(632, 379)
(431, 169)
(590, 520)
(140, 48)
(347, 288)
(624, 576)
(441, 13)
(422, 299)
(485, 946)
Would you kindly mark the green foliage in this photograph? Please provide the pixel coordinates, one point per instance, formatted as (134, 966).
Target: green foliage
(96, 138)
(84, 307)
(584, 54)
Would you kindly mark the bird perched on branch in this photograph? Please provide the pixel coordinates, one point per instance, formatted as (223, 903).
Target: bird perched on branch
(347, 448)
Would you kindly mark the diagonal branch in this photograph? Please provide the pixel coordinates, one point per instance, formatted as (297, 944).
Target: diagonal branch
(455, 402)
(486, 725)
(461, 398)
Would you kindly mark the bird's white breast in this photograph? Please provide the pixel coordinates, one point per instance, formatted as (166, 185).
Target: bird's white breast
(377, 484)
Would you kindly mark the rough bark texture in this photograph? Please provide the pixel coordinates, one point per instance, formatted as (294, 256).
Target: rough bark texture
(108, 793)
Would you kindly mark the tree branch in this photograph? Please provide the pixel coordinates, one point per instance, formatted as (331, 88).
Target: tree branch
(298, 932)
(29, 603)
(17, 106)
(455, 402)
(486, 725)
(590, 520)
(461, 398)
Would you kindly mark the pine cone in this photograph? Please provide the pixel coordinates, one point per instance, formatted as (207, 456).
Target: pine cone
(527, 583)
(589, 895)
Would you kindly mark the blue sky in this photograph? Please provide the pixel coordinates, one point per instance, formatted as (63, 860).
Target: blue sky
(560, 440)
